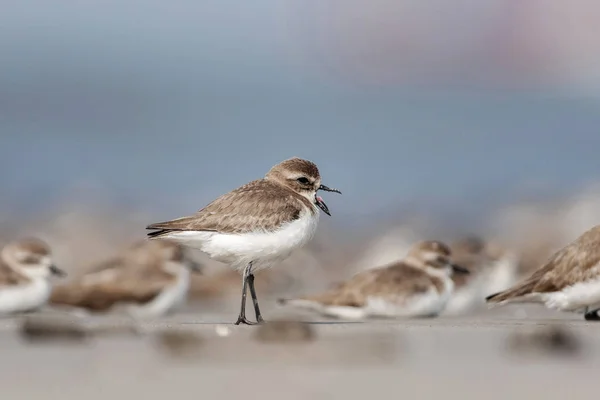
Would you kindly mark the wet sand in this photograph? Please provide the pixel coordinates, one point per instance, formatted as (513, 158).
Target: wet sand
(462, 358)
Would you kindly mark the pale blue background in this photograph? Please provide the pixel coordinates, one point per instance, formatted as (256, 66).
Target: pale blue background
(167, 106)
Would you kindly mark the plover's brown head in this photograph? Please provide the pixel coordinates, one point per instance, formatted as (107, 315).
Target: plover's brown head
(302, 176)
(435, 256)
(30, 257)
(162, 252)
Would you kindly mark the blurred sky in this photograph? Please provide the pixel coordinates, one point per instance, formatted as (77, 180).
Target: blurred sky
(169, 104)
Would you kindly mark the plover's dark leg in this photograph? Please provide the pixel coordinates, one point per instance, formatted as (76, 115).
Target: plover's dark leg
(591, 315)
(259, 317)
(242, 317)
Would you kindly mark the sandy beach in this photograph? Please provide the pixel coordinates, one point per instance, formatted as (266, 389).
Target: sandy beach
(469, 357)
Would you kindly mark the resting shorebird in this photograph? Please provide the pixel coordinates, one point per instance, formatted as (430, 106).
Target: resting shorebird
(418, 286)
(25, 268)
(569, 281)
(149, 280)
(256, 225)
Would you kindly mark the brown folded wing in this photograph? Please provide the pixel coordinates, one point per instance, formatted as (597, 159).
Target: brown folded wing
(9, 277)
(577, 262)
(107, 287)
(258, 205)
(396, 283)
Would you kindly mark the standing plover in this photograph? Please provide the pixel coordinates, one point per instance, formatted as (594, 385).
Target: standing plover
(568, 281)
(256, 225)
(25, 268)
(148, 280)
(418, 286)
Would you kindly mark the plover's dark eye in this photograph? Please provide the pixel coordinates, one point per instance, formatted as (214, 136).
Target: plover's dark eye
(303, 180)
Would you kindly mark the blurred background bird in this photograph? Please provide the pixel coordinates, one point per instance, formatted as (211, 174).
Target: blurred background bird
(149, 280)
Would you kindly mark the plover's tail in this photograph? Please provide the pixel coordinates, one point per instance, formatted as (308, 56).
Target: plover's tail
(159, 230)
(514, 294)
(164, 229)
(157, 234)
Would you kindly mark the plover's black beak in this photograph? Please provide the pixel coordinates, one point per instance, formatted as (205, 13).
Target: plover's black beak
(457, 269)
(321, 204)
(54, 270)
(328, 189)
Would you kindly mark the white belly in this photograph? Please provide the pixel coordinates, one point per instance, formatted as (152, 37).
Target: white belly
(168, 300)
(574, 298)
(24, 297)
(261, 248)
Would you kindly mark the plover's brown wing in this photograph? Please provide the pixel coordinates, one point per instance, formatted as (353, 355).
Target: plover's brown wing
(576, 262)
(8, 277)
(258, 206)
(397, 282)
(105, 288)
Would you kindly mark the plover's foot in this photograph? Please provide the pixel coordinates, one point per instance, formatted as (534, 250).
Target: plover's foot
(592, 316)
(246, 321)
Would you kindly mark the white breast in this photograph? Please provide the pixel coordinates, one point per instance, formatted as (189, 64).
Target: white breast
(575, 298)
(24, 297)
(169, 298)
(263, 248)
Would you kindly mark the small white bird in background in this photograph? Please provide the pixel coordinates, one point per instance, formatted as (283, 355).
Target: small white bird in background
(418, 286)
(149, 280)
(568, 281)
(25, 269)
(256, 225)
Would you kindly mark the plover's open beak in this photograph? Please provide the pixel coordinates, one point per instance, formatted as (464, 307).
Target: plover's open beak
(57, 271)
(321, 204)
(457, 269)
(328, 189)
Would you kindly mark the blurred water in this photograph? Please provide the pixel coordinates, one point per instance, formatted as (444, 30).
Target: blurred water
(169, 105)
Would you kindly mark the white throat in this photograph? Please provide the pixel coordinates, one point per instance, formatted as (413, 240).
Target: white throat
(310, 196)
(40, 271)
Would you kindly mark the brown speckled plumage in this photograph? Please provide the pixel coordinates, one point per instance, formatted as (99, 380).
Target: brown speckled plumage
(261, 205)
(9, 277)
(577, 262)
(396, 282)
(258, 205)
(22, 253)
(137, 276)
